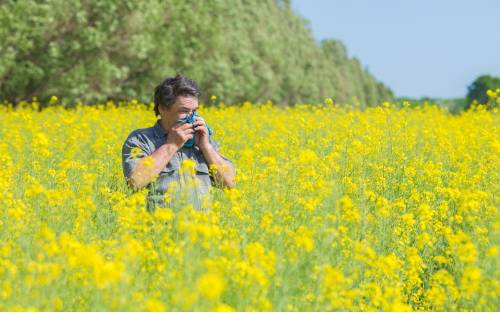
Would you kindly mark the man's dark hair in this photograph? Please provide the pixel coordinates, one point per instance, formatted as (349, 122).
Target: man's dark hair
(172, 87)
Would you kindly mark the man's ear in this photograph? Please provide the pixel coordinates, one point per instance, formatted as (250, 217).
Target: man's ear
(164, 111)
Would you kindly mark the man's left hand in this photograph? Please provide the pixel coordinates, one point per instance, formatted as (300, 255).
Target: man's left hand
(201, 133)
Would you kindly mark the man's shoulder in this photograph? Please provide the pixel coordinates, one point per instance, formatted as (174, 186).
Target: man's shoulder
(143, 138)
(147, 132)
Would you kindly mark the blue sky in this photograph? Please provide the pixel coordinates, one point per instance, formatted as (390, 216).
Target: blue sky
(418, 48)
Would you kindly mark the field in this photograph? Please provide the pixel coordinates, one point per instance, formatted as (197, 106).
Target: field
(335, 209)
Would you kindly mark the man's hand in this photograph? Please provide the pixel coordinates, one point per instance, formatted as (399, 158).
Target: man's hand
(179, 134)
(201, 133)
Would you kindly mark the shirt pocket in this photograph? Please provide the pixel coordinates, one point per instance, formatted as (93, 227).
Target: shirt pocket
(169, 170)
(202, 168)
(202, 174)
(173, 165)
(166, 177)
(169, 174)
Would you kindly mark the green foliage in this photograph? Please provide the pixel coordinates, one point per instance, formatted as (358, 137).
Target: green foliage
(477, 90)
(453, 105)
(238, 50)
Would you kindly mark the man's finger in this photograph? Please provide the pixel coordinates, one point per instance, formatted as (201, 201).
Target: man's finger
(179, 126)
(186, 126)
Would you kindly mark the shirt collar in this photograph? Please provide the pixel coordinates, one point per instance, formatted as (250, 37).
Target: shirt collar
(158, 130)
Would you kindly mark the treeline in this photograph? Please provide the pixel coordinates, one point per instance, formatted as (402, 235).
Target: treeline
(484, 90)
(254, 50)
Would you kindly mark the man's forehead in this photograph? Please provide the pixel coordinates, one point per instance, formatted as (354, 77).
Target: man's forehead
(187, 102)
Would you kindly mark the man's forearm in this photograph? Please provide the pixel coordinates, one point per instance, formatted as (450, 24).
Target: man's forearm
(149, 167)
(224, 170)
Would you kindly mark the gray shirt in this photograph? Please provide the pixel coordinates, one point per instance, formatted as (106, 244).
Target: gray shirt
(143, 142)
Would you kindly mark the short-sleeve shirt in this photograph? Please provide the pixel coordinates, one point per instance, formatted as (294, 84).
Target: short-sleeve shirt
(143, 142)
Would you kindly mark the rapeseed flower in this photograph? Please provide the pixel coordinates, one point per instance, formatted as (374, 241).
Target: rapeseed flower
(335, 209)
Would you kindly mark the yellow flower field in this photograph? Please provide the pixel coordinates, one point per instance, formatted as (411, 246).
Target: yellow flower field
(335, 209)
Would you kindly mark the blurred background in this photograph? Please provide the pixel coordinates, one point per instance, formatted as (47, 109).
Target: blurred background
(357, 52)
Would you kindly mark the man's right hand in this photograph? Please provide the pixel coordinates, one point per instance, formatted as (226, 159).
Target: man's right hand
(179, 134)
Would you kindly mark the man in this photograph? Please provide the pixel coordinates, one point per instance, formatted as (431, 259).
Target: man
(152, 156)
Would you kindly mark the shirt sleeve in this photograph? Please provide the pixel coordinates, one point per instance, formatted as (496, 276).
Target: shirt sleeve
(134, 148)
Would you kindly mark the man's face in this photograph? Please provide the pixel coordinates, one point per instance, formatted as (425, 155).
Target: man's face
(182, 108)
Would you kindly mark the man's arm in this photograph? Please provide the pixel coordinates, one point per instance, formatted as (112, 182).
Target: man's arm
(224, 171)
(149, 167)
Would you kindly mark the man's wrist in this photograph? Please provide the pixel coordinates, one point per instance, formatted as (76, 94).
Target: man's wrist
(169, 148)
(205, 147)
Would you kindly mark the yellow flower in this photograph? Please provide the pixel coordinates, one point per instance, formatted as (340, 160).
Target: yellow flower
(333, 279)
(211, 285)
(348, 210)
(188, 166)
(58, 303)
(441, 259)
(467, 252)
(408, 219)
(149, 161)
(154, 305)
(108, 273)
(136, 152)
(6, 290)
(222, 307)
(493, 251)
(303, 239)
(491, 93)
(470, 281)
(164, 214)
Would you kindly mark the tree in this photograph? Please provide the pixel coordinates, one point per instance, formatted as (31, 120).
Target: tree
(239, 50)
(477, 90)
